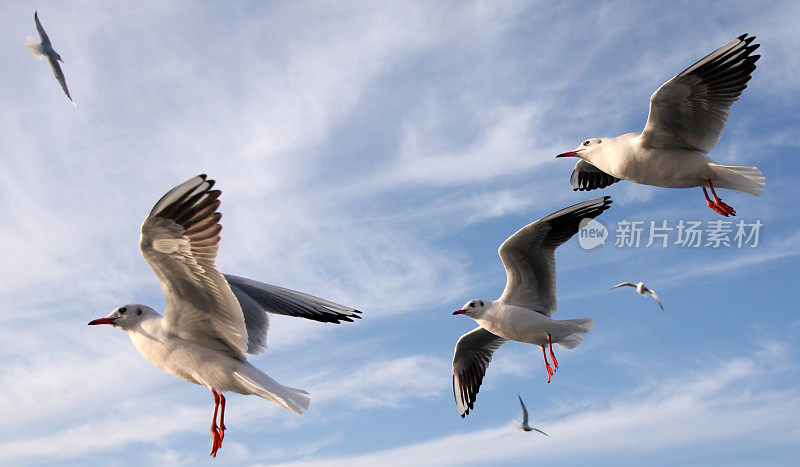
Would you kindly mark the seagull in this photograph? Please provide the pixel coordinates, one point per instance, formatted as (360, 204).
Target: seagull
(523, 312)
(641, 289)
(687, 115)
(212, 320)
(45, 49)
(524, 426)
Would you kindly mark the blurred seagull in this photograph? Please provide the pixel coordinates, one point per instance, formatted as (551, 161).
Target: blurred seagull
(687, 115)
(523, 312)
(211, 320)
(45, 49)
(524, 426)
(642, 290)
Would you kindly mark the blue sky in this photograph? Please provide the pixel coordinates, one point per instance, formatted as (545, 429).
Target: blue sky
(377, 155)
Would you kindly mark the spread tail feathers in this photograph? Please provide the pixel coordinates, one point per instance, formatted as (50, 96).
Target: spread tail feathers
(747, 179)
(34, 47)
(578, 328)
(256, 382)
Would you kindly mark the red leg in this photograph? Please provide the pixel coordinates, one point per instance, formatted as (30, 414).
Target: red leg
(546, 365)
(717, 205)
(552, 355)
(221, 418)
(216, 443)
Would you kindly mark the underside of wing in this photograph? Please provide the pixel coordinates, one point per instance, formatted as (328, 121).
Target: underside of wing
(529, 255)
(257, 298)
(179, 240)
(586, 177)
(472, 356)
(40, 29)
(690, 110)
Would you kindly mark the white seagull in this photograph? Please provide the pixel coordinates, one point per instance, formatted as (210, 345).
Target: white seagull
(524, 425)
(642, 290)
(687, 115)
(45, 49)
(211, 320)
(523, 312)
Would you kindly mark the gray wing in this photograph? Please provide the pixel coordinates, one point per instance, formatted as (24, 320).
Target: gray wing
(690, 110)
(653, 293)
(59, 76)
(257, 298)
(40, 29)
(586, 177)
(624, 284)
(529, 255)
(179, 240)
(472, 356)
(540, 431)
(524, 411)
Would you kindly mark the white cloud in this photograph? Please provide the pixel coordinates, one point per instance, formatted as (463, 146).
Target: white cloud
(701, 411)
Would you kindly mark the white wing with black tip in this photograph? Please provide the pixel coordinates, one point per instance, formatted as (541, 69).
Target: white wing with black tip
(654, 295)
(257, 298)
(690, 110)
(179, 240)
(586, 177)
(472, 356)
(529, 256)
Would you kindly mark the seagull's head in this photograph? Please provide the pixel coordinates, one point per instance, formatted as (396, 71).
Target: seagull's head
(586, 150)
(472, 308)
(126, 316)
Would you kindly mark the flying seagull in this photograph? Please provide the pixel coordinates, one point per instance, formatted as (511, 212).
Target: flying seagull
(687, 115)
(211, 320)
(45, 49)
(524, 426)
(523, 312)
(641, 289)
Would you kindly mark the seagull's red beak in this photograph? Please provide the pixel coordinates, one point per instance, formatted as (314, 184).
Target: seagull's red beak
(570, 153)
(102, 321)
(459, 312)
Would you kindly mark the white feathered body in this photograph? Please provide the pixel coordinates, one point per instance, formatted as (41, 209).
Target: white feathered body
(625, 157)
(204, 366)
(525, 325)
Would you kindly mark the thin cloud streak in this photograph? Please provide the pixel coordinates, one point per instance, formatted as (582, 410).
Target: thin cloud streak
(700, 411)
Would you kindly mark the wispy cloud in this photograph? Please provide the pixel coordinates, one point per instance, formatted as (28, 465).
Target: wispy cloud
(700, 411)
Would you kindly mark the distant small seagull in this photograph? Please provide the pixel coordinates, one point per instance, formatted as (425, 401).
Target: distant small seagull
(45, 49)
(523, 312)
(211, 320)
(687, 115)
(524, 426)
(641, 289)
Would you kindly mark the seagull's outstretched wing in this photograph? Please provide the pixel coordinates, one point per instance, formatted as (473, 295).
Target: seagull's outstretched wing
(653, 293)
(472, 356)
(586, 177)
(257, 298)
(40, 29)
(529, 255)
(624, 284)
(540, 431)
(690, 110)
(524, 411)
(60, 77)
(179, 240)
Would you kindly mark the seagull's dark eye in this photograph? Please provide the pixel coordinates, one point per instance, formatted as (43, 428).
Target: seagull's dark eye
(472, 304)
(480, 302)
(122, 310)
(586, 143)
(138, 312)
